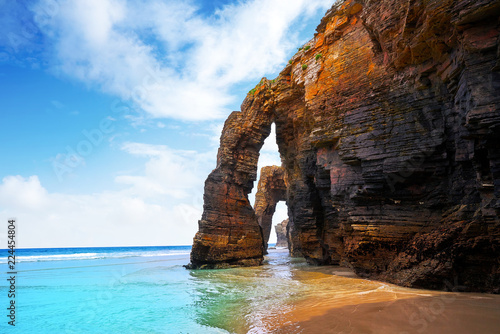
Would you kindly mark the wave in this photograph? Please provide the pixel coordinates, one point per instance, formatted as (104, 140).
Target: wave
(57, 257)
(92, 256)
(166, 254)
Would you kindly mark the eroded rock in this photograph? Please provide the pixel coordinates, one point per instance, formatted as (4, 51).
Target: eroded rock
(388, 126)
(281, 234)
(270, 190)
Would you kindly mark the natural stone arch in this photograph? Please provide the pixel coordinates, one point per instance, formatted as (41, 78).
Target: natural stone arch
(270, 190)
(229, 233)
(389, 137)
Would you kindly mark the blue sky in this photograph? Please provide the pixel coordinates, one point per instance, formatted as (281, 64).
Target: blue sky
(111, 110)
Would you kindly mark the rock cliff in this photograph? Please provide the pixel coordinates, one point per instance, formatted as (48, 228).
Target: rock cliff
(388, 126)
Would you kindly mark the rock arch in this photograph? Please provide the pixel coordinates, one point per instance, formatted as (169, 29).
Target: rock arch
(229, 233)
(270, 190)
(388, 131)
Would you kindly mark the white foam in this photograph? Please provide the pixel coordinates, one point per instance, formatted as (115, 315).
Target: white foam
(92, 256)
(165, 254)
(58, 257)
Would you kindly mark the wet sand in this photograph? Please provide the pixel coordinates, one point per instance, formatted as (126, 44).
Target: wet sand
(334, 300)
(286, 295)
(448, 313)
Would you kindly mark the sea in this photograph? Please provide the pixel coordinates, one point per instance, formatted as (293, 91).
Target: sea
(147, 290)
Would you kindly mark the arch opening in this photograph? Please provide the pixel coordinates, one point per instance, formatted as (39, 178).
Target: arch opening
(278, 235)
(270, 191)
(228, 232)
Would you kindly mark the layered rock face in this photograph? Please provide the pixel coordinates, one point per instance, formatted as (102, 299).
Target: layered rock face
(388, 125)
(229, 234)
(270, 190)
(281, 234)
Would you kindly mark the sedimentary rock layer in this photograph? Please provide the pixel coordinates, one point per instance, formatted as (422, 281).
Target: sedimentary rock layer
(270, 190)
(281, 234)
(229, 233)
(388, 126)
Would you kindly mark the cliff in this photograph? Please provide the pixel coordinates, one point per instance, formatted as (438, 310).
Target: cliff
(388, 126)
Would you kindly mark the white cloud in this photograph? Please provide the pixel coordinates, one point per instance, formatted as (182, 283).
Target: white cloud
(216, 132)
(104, 219)
(169, 60)
(280, 214)
(160, 206)
(22, 194)
(269, 156)
(165, 56)
(270, 145)
(157, 206)
(167, 172)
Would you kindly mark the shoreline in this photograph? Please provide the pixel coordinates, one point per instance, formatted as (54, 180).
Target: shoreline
(456, 313)
(338, 301)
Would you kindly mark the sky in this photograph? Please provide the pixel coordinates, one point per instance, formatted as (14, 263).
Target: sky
(111, 110)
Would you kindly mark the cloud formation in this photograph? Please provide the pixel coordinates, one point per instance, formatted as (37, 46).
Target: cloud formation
(160, 206)
(168, 57)
(167, 172)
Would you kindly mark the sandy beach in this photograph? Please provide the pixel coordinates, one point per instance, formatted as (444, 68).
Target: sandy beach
(453, 313)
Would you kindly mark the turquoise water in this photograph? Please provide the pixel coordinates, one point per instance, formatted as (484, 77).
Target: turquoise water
(146, 290)
(105, 290)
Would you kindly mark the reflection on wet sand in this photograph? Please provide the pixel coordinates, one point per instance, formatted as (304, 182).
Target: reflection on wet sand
(454, 313)
(286, 295)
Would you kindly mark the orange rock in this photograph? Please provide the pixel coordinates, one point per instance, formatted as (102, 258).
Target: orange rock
(390, 147)
(355, 9)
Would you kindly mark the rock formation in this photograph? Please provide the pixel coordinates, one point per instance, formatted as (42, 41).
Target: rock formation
(229, 234)
(388, 126)
(270, 190)
(281, 235)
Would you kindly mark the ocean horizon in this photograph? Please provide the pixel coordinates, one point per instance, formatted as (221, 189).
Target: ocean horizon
(30, 254)
(364, 135)
(147, 290)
